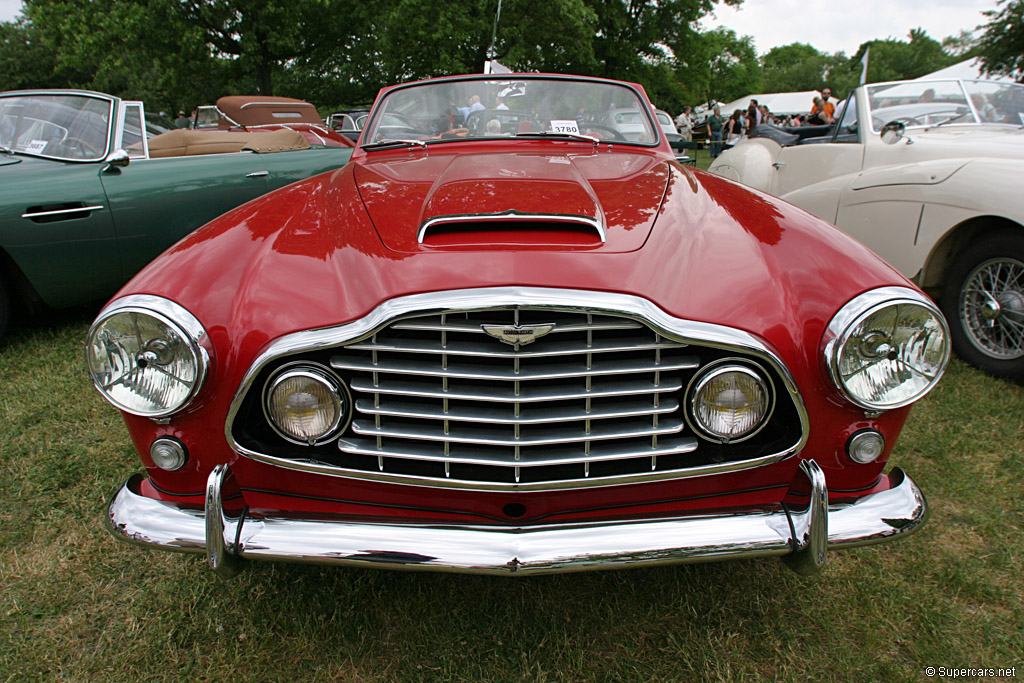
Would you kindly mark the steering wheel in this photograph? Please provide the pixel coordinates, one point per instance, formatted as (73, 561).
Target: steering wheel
(79, 148)
(611, 132)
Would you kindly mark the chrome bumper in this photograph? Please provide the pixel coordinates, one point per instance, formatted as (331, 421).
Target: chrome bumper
(802, 538)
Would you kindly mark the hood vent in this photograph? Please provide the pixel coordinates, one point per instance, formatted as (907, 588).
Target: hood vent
(512, 227)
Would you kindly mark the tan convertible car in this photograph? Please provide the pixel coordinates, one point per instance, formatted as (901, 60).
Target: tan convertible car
(928, 174)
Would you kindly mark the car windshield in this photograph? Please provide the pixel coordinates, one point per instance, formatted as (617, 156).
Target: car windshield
(931, 103)
(65, 126)
(527, 107)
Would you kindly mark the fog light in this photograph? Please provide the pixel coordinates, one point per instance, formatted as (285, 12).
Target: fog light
(168, 454)
(729, 402)
(866, 446)
(306, 404)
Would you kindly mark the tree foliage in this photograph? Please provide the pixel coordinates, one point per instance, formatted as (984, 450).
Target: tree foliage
(176, 54)
(1001, 45)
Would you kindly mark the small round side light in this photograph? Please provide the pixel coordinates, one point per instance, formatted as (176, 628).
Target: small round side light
(866, 446)
(168, 454)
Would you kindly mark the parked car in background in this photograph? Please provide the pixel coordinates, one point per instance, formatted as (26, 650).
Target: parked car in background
(515, 352)
(348, 122)
(87, 199)
(927, 174)
(260, 112)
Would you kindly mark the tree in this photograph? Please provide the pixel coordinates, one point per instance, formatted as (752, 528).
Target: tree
(720, 66)
(794, 67)
(1001, 45)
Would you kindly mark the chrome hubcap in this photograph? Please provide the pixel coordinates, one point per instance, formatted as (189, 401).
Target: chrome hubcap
(992, 308)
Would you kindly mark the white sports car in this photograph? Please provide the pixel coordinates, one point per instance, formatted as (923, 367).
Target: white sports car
(927, 174)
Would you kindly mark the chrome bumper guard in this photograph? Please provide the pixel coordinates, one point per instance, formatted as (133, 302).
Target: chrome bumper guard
(802, 538)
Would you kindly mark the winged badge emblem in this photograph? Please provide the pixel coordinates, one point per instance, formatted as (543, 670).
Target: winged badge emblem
(518, 335)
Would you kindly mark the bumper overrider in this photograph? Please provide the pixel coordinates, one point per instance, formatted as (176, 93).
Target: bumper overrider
(802, 538)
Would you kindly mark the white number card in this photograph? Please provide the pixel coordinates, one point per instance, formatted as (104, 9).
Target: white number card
(565, 127)
(36, 147)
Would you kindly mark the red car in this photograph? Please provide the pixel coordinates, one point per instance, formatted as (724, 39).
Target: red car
(532, 347)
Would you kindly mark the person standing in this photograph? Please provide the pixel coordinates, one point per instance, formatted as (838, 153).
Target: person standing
(684, 125)
(829, 107)
(715, 125)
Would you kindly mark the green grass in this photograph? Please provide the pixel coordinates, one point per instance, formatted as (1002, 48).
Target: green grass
(76, 605)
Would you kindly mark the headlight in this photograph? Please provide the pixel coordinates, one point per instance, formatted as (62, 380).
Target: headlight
(887, 348)
(306, 403)
(729, 401)
(144, 355)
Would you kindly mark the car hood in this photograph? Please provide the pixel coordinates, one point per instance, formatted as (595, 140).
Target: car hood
(308, 256)
(595, 201)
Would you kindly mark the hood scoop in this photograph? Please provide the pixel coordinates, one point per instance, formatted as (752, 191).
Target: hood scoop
(512, 228)
(505, 200)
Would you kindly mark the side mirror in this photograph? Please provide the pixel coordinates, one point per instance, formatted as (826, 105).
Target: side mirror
(893, 132)
(117, 160)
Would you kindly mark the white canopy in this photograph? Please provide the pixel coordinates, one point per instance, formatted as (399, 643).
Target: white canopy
(777, 103)
(969, 69)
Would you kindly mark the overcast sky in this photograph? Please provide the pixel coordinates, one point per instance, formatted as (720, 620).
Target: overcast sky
(828, 26)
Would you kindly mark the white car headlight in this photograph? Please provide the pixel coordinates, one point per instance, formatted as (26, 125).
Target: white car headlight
(887, 348)
(144, 355)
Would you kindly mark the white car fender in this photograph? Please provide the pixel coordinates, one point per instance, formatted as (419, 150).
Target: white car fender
(749, 162)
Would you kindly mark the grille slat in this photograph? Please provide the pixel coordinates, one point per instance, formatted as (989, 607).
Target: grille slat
(461, 370)
(473, 434)
(538, 350)
(502, 457)
(498, 414)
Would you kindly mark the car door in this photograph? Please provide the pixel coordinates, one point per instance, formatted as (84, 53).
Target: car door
(55, 224)
(156, 202)
(813, 174)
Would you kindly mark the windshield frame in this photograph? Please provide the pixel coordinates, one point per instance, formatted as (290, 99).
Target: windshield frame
(377, 111)
(85, 94)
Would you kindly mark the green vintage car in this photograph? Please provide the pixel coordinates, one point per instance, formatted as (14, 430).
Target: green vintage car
(88, 197)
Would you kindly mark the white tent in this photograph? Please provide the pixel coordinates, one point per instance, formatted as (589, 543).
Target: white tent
(777, 103)
(969, 69)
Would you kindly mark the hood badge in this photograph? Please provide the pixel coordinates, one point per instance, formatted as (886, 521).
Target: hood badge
(518, 335)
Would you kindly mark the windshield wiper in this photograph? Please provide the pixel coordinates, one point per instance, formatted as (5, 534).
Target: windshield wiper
(564, 136)
(951, 119)
(392, 144)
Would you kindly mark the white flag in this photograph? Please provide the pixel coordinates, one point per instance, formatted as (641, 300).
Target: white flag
(864, 61)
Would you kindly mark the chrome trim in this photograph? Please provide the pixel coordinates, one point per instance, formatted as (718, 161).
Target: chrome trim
(861, 306)
(61, 212)
(111, 124)
(497, 298)
(530, 549)
(513, 216)
(257, 174)
(600, 388)
(455, 371)
(811, 528)
(722, 365)
(494, 415)
(174, 314)
(277, 104)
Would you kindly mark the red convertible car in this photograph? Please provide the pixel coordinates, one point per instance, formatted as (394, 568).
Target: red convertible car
(517, 349)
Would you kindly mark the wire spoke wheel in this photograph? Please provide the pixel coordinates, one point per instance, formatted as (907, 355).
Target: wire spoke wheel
(991, 308)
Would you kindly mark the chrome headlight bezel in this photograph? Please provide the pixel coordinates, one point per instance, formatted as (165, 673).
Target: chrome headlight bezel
(337, 389)
(710, 372)
(859, 309)
(179, 321)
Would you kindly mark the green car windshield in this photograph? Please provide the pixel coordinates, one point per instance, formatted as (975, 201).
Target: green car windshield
(70, 127)
(458, 109)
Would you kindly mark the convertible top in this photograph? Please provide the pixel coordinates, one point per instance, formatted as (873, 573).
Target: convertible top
(184, 142)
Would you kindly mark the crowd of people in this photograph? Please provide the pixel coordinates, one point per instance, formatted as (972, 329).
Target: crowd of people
(721, 132)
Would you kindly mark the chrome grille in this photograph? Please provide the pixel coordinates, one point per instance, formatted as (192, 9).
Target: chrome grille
(598, 398)
(441, 389)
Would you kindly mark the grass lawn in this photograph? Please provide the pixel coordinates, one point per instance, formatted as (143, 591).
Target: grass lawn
(76, 605)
